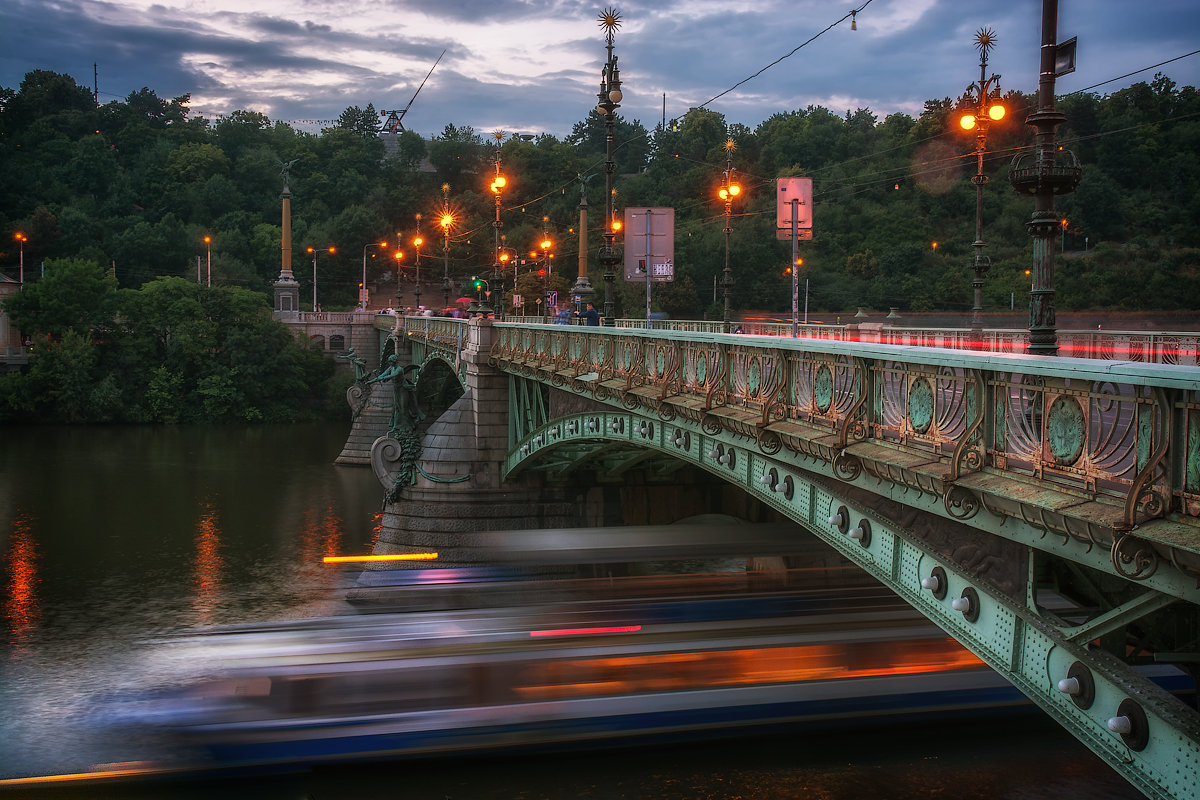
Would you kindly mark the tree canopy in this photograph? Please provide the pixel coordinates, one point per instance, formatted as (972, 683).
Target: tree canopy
(135, 185)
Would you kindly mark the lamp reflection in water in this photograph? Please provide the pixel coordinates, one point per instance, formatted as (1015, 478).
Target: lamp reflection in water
(22, 608)
(207, 577)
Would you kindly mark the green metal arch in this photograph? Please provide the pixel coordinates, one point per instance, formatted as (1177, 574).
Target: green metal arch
(1030, 651)
(458, 371)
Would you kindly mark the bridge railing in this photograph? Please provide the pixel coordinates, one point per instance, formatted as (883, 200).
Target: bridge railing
(1168, 347)
(1118, 443)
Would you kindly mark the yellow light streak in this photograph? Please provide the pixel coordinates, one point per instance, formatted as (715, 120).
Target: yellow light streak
(397, 557)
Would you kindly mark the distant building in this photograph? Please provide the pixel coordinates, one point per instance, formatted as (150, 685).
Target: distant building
(10, 338)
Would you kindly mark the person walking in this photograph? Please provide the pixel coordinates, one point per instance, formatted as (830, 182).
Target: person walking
(591, 316)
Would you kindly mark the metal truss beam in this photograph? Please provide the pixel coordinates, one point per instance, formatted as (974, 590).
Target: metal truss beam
(1141, 731)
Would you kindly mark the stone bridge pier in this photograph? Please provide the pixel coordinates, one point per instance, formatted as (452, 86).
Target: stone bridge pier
(444, 480)
(438, 494)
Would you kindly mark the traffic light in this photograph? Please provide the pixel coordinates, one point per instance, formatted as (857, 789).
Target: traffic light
(541, 273)
(477, 283)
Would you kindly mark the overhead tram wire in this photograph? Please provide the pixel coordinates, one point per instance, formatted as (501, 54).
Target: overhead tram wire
(1128, 74)
(794, 50)
(848, 15)
(827, 167)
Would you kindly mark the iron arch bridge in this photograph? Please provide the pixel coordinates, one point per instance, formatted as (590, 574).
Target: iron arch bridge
(1043, 511)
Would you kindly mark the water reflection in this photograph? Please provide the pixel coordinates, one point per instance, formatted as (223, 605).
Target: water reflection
(109, 536)
(207, 580)
(22, 609)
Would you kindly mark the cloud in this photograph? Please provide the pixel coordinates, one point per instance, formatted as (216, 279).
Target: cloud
(534, 65)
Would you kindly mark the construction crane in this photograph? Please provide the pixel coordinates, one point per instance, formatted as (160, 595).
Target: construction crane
(393, 125)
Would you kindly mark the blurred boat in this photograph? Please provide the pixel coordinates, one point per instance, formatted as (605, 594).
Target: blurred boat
(408, 685)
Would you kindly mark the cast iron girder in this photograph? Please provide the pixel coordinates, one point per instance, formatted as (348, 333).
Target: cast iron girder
(1030, 651)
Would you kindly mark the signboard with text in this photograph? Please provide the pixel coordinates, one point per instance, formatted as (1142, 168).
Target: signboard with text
(650, 244)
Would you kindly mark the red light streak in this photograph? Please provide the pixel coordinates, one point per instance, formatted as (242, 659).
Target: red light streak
(586, 631)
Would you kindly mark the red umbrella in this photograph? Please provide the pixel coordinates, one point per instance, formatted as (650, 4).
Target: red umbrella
(465, 300)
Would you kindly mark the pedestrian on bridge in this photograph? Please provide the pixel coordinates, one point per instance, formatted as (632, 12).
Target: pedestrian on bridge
(591, 316)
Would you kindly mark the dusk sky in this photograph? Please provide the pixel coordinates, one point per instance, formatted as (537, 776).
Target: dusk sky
(533, 66)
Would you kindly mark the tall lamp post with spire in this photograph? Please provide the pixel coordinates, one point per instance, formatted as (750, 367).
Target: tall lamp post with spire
(447, 222)
(417, 241)
(729, 190)
(986, 95)
(610, 100)
(498, 184)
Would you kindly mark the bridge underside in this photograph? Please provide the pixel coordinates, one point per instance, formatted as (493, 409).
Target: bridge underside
(1039, 610)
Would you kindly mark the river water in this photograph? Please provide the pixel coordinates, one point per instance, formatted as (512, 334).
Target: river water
(110, 536)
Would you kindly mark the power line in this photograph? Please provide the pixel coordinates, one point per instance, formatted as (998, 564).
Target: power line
(1135, 72)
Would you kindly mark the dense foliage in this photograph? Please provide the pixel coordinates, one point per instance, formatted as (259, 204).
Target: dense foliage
(135, 186)
(170, 351)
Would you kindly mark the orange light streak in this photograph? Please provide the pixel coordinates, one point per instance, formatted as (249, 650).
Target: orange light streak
(68, 777)
(586, 631)
(397, 557)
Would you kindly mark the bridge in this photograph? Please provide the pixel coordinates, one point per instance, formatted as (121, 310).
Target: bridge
(1043, 511)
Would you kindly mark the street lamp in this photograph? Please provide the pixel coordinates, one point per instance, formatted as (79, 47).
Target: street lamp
(417, 241)
(314, 252)
(21, 240)
(208, 246)
(447, 222)
(399, 256)
(610, 100)
(497, 187)
(988, 109)
(362, 288)
(729, 190)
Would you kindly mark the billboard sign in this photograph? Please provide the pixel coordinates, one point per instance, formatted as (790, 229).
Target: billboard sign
(650, 243)
(794, 194)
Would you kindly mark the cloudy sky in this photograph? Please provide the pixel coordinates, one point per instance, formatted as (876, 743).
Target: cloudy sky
(533, 66)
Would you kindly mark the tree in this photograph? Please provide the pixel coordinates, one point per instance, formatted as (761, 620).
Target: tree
(73, 295)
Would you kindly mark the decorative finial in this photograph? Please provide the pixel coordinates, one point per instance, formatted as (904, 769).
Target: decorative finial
(985, 40)
(610, 20)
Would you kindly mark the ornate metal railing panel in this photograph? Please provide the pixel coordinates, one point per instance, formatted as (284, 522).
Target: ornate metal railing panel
(1172, 347)
(1115, 433)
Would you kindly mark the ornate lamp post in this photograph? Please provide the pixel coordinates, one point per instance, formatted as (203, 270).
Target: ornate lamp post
(447, 222)
(987, 109)
(610, 100)
(544, 245)
(497, 187)
(362, 287)
(729, 190)
(417, 241)
(314, 251)
(1047, 171)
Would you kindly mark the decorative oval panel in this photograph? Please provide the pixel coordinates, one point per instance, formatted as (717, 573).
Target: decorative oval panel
(920, 405)
(823, 388)
(1064, 429)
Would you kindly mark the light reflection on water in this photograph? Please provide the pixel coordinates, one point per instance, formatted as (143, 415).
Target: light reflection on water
(111, 536)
